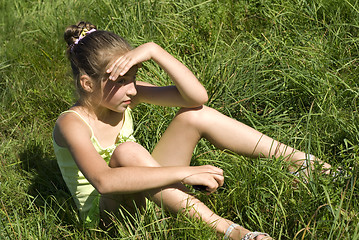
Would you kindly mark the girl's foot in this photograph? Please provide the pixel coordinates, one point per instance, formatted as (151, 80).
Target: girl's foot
(236, 231)
(309, 165)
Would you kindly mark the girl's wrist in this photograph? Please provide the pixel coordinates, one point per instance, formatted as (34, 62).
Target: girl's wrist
(157, 52)
(184, 173)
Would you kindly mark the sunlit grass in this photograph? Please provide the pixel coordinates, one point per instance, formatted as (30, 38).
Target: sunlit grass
(286, 68)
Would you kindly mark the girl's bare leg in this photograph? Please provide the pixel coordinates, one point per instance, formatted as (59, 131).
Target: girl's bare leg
(179, 140)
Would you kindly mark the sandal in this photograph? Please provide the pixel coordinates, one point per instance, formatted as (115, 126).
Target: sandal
(248, 236)
(304, 170)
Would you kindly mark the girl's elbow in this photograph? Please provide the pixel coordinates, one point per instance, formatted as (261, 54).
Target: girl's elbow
(106, 185)
(202, 98)
(102, 186)
(100, 189)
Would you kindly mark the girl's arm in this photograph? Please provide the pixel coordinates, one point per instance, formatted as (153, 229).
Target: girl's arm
(187, 92)
(72, 133)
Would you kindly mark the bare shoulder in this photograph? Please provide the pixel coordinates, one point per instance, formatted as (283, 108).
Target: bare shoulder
(70, 126)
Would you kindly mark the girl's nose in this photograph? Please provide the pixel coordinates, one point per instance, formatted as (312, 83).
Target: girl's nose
(131, 89)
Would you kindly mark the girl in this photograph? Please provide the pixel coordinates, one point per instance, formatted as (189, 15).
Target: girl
(102, 165)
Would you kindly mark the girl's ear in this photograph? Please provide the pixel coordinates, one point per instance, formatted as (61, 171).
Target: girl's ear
(86, 83)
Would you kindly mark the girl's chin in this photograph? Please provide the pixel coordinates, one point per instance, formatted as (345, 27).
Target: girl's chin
(119, 109)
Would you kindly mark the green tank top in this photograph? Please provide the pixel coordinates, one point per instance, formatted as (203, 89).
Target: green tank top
(85, 195)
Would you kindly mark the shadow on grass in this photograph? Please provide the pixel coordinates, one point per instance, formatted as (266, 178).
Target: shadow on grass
(48, 187)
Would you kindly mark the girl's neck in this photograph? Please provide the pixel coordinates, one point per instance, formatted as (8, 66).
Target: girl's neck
(108, 116)
(102, 114)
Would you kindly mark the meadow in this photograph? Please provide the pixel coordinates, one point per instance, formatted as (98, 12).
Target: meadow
(288, 68)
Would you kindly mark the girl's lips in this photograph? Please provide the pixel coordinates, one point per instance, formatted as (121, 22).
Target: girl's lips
(127, 102)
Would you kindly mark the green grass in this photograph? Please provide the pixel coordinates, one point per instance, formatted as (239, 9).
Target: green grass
(287, 68)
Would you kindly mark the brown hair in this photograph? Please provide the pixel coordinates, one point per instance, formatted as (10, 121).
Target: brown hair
(91, 55)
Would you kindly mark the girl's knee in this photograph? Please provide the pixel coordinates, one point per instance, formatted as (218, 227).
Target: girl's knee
(190, 116)
(130, 154)
(194, 116)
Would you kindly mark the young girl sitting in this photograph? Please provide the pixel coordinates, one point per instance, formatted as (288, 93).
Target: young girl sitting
(102, 165)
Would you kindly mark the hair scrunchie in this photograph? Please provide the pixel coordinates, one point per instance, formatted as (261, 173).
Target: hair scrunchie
(83, 34)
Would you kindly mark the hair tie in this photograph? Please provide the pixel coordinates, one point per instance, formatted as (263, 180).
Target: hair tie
(83, 34)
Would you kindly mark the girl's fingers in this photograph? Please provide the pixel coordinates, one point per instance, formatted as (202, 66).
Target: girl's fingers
(214, 169)
(118, 69)
(212, 187)
(114, 64)
(219, 179)
(216, 182)
(126, 65)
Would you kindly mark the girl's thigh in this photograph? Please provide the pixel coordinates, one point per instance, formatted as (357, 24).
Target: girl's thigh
(177, 143)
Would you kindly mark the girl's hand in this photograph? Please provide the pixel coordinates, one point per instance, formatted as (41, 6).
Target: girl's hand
(209, 176)
(130, 59)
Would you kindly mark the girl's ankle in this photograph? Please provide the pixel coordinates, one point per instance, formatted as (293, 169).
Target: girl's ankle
(236, 231)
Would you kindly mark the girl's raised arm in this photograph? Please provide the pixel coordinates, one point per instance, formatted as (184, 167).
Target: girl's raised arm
(187, 92)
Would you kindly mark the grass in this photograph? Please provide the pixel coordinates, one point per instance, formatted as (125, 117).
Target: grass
(286, 68)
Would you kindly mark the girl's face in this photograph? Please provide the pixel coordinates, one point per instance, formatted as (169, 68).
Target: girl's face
(118, 94)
